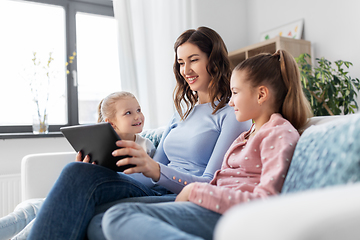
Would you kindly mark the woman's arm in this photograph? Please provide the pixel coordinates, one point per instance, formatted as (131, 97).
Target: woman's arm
(143, 162)
(159, 156)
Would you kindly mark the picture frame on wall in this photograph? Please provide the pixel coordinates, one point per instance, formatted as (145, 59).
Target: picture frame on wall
(291, 30)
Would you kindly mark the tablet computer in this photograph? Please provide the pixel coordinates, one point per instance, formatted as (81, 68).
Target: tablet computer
(96, 140)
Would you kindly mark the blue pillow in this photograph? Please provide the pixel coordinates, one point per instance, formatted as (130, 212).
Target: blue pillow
(326, 155)
(154, 135)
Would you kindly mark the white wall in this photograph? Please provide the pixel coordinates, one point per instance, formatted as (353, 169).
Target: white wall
(331, 26)
(227, 17)
(13, 150)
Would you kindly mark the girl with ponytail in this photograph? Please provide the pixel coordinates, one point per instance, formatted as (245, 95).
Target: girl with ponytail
(280, 75)
(122, 110)
(265, 88)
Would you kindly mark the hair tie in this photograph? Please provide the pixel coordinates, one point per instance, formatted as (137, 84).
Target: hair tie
(277, 54)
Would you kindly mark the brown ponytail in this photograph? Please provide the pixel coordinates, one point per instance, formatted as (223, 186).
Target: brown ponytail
(296, 107)
(280, 72)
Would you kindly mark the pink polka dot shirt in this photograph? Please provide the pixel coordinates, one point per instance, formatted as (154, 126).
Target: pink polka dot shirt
(251, 169)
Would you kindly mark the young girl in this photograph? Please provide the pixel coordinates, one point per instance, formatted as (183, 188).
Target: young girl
(190, 150)
(265, 88)
(123, 112)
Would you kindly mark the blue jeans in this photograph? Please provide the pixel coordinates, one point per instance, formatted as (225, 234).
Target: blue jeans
(72, 201)
(94, 231)
(14, 223)
(172, 220)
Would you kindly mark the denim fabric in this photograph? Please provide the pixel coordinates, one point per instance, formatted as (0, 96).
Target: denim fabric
(25, 232)
(326, 155)
(23, 214)
(94, 231)
(80, 188)
(174, 220)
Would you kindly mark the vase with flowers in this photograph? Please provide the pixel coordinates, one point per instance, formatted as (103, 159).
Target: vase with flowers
(40, 86)
(40, 77)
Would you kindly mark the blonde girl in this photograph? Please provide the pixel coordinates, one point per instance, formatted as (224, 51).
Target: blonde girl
(123, 112)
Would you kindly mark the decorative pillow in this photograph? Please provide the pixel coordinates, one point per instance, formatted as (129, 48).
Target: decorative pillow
(154, 135)
(326, 155)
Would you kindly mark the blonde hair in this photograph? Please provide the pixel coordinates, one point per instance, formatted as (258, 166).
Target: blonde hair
(106, 108)
(279, 71)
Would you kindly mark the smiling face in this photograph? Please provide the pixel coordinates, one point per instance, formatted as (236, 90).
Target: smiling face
(244, 98)
(193, 63)
(128, 119)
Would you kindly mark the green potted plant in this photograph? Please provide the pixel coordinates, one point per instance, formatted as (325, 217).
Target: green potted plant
(330, 91)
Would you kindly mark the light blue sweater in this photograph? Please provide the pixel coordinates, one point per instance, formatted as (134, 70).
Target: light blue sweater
(193, 149)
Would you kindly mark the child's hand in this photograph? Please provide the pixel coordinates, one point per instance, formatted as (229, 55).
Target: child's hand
(144, 163)
(183, 196)
(79, 158)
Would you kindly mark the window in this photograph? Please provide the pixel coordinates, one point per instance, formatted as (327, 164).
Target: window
(97, 64)
(26, 36)
(59, 27)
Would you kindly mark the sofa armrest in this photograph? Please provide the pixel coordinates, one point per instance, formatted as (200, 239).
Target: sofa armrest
(318, 120)
(329, 213)
(40, 171)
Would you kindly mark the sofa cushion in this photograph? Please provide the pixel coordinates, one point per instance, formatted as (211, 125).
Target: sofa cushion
(326, 155)
(154, 135)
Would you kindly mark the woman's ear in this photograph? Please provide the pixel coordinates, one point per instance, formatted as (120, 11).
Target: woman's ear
(263, 94)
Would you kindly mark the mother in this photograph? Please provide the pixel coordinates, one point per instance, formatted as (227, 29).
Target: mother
(191, 149)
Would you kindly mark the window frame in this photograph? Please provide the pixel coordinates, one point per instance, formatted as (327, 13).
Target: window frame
(71, 7)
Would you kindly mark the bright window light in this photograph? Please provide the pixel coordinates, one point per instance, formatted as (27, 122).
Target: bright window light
(97, 62)
(25, 28)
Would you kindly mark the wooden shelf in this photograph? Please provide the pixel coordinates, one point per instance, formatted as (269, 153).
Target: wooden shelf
(293, 46)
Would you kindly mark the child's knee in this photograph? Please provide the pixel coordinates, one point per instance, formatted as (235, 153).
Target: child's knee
(118, 215)
(115, 214)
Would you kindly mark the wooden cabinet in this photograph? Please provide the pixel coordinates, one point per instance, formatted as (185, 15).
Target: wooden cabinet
(293, 46)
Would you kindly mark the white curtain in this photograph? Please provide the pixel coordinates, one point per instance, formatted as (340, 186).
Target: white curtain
(147, 32)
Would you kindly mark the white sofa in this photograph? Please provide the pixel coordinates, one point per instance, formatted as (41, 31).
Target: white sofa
(40, 171)
(309, 212)
(331, 213)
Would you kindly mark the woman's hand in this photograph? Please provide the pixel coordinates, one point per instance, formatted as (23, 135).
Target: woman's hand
(144, 163)
(80, 159)
(183, 196)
